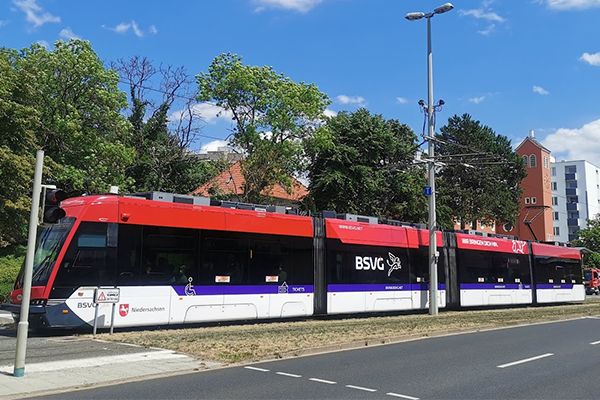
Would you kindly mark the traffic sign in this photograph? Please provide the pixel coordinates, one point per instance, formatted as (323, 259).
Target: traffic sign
(106, 295)
(427, 190)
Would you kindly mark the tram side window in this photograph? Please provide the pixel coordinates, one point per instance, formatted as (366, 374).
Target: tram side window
(169, 255)
(474, 266)
(419, 265)
(270, 260)
(553, 270)
(302, 259)
(518, 269)
(88, 260)
(129, 255)
(224, 258)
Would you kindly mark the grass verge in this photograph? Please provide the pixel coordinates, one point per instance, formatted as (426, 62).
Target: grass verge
(253, 342)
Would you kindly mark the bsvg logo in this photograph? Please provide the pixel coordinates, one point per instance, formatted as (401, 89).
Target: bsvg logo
(123, 310)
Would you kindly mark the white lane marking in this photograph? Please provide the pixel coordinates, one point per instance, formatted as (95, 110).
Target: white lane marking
(322, 381)
(402, 396)
(257, 369)
(525, 360)
(593, 343)
(290, 375)
(99, 361)
(361, 388)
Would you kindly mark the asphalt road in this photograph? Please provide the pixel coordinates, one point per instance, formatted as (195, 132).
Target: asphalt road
(550, 361)
(59, 348)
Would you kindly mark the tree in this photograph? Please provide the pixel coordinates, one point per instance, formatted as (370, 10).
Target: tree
(78, 104)
(481, 176)
(272, 116)
(163, 159)
(17, 121)
(363, 164)
(590, 239)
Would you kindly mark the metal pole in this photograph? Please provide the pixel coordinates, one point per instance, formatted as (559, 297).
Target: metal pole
(23, 325)
(433, 278)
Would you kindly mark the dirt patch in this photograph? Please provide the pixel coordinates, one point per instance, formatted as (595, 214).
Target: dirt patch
(259, 341)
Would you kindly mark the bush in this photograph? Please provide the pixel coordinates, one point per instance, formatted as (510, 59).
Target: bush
(11, 259)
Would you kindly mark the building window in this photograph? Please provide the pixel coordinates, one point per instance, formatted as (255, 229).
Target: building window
(533, 200)
(554, 201)
(553, 171)
(556, 215)
(525, 161)
(526, 200)
(556, 231)
(554, 186)
(546, 162)
(532, 161)
(571, 169)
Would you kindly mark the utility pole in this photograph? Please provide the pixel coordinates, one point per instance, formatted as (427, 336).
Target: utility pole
(23, 326)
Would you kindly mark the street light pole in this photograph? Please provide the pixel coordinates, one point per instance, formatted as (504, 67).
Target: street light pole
(431, 108)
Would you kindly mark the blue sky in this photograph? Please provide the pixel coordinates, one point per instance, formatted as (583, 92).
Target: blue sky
(514, 65)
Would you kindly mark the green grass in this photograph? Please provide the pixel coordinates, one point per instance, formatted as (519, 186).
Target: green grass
(11, 259)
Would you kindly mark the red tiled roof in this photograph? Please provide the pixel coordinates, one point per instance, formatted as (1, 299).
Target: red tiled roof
(231, 181)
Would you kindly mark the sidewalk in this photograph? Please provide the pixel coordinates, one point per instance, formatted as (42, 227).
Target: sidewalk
(83, 373)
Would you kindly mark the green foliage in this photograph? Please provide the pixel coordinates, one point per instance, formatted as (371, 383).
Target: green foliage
(362, 163)
(272, 116)
(17, 141)
(590, 236)
(482, 176)
(11, 259)
(160, 162)
(78, 108)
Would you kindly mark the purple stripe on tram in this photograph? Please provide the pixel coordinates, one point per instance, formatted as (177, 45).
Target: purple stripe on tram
(555, 286)
(380, 287)
(488, 286)
(227, 289)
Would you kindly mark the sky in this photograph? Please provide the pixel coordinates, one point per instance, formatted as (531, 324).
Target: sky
(513, 65)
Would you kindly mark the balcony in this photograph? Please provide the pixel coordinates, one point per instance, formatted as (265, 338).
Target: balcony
(572, 236)
(572, 207)
(571, 177)
(572, 221)
(571, 192)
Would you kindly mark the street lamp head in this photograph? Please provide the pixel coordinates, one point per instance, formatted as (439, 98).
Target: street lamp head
(443, 8)
(414, 16)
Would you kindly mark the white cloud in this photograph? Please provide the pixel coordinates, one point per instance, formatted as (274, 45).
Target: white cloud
(358, 100)
(401, 100)
(477, 100)
(124, 27)
(485, 13)
(68, 34)
(481, 13)
(44, 44)
(488, 30)
(592, 59)
(329, 113)
(302, 6)
(576, 144)
(213, 146)
(540, 90)
(2, 23)
(136, 29)
(209, 112)
(563, 5)
(34, 13)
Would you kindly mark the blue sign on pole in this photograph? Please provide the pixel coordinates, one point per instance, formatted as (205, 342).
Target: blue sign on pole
(427, 190)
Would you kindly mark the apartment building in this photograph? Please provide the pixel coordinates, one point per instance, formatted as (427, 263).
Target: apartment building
(575, 197)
